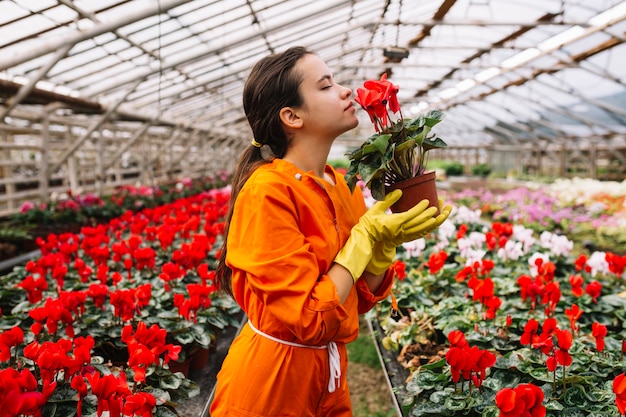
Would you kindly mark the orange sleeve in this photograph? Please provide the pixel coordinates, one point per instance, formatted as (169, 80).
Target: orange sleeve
(278, 272)
(367, 300)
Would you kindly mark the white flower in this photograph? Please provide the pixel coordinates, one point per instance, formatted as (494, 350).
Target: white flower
(415, 248)
(524, 235)
(559, 245)
(533, 258)
(598, 264)
(474, 255)
(464, 214)
(511, 251)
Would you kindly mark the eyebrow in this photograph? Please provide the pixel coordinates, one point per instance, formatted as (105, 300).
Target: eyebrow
(326, 77)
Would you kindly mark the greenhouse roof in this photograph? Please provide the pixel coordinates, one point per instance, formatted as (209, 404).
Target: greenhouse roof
(503, 71)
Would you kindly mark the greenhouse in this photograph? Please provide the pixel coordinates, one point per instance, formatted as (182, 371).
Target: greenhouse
(124, 127)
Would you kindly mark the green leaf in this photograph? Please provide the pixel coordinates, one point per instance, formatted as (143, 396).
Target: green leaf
(202, 339)
(491, 411)
(432, 143)
(160, 395)
(455, 403)
(440, 397)
(185, 338)
(165, 412)
(8, 322)
(170, 382)
(576, 396)
(434, 365)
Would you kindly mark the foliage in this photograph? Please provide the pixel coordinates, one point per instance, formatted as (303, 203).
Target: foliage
(552, 318)
(139, 288)
(89, 209)
(397, 151)
(451, 168)
(591, 213)
(481, 170)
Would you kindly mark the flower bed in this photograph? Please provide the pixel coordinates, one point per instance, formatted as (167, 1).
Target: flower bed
(99, 321)
(591, 213)
(493, 318)
(68, 212)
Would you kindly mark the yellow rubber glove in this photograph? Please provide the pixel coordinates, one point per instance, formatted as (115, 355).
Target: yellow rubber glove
(377, 225)
(398, 227)
(384, 252)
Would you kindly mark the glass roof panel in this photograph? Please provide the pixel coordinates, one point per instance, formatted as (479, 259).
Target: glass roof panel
(474, 59)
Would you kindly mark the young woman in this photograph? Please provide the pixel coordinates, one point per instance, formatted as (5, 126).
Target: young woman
(303, 256)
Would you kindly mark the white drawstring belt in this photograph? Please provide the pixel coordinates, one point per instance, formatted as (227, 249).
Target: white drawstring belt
(333, 356)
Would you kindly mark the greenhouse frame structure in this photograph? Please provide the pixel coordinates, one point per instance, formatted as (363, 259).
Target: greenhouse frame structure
(94, 95)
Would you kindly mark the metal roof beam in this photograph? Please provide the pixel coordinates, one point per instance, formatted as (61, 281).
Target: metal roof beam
(53, 44)
(236, 41)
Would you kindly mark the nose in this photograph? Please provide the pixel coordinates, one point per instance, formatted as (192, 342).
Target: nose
(346, 91)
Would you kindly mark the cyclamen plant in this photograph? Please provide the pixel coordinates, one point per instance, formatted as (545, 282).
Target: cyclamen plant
(552, 321)
(397, 151)
(140, 286)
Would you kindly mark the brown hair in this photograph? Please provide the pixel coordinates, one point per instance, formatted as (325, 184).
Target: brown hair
(271, 85)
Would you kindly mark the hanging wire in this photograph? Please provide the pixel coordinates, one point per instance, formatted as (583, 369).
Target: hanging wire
(160, 62)
(398, 23)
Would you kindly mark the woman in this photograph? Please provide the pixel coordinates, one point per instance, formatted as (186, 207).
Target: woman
(303, 256)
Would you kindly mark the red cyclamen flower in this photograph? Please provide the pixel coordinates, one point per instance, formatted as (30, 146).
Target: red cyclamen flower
(619, 388)
(599, 332)
(523, 400)
(594, 289)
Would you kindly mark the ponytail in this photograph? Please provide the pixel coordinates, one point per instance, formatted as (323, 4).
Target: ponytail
(248, 162)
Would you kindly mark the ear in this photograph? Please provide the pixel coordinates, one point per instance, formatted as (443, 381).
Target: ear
(290, 118)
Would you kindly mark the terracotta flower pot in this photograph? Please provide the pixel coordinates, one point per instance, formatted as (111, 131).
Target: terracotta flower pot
(183, 367)
(199, 359)
(415, 190)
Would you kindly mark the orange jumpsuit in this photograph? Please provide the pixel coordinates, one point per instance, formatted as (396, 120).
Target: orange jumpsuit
(286, 230)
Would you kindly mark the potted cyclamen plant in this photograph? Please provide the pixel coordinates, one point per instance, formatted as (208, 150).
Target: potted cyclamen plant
(395, 156)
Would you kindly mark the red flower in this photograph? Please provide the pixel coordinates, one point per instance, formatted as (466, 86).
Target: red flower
(461, 232)
(457, 339)
(531, 288)
(521, 401)
(493, 305)
(140, 404)
(124, 303)
(399, 269)
(374, 99)
(594, 289)
(78, 383)
(599, 332)
(436, 262)
(530, 331)
(110, 390)
(457, 359)
(206, 275)
(34, 288)
(468, 361)
(544, 341)
(564, 342)
(98, 293)
(573, 314)
(464, 273)
(619, 388)
(576, 281)
(551, 295)
(617, 264)
(581, 264)
(8, 339)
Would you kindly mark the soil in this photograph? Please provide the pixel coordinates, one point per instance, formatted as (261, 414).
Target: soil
(369, 391)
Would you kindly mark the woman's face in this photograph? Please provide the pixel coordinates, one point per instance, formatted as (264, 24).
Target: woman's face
(327, 108)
